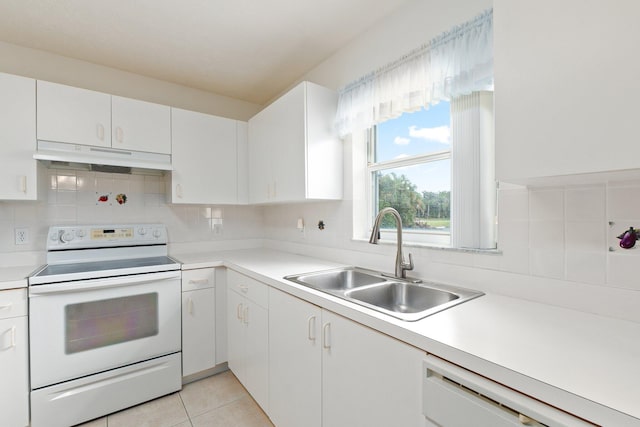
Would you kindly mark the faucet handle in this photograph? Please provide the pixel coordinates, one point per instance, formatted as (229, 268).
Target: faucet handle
(408, 266)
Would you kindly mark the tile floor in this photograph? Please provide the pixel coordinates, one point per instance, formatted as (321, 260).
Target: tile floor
(217, 401)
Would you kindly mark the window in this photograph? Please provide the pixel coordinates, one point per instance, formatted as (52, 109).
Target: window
(409, 166)
(435, 167)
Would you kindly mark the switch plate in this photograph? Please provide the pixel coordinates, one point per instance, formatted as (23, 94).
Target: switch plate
(22, 235)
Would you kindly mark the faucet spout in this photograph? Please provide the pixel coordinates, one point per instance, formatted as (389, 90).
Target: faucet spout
(401, 267)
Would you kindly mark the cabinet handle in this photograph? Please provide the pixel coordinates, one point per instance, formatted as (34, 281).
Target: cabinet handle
(100, 131)
(246, 315)
(23, 183)
(311, 328)
(6, 307)
(326, 336)
(179, 191)
(13, 337)
(238, 312)
(244, 288)
(198, 281)
(190, 306)
(119, 134)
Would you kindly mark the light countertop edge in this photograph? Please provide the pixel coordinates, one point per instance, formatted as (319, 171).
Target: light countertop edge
(583, 363)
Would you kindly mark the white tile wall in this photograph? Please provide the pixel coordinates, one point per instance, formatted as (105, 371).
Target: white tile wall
(72, 198)
(555, 240)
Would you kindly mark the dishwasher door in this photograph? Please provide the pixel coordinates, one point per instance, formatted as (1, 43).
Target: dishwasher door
(455, 397)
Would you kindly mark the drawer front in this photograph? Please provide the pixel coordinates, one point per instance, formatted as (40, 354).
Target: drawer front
(201, 278)
(252, 289)
(13, 303)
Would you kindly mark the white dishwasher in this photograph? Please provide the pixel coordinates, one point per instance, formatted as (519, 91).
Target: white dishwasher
(455, 397)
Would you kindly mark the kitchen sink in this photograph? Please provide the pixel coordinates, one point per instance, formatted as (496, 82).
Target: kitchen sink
(404, 299)
(338, 280)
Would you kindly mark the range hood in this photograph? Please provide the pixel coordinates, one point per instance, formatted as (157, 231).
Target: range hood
(101, 159)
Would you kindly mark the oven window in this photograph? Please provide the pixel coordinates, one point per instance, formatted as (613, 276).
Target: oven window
(105, 322)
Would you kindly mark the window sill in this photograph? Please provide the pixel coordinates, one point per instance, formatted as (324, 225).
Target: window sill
(435, 247)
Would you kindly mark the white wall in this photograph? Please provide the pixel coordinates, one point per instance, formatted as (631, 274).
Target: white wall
(554, 242)
(42, 65)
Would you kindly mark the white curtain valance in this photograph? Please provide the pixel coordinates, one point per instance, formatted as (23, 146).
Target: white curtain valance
(455, 63)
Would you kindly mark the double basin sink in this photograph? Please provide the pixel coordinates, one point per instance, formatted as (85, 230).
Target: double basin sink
(404, 299)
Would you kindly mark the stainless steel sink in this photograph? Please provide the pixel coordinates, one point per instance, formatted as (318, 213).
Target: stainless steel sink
(405, 300)
(337, 280)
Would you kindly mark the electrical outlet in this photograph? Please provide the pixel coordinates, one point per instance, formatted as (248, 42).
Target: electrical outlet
(22, 235)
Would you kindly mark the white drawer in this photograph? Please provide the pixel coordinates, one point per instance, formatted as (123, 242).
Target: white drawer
(201, 278)
(13, 303)
(252, 289)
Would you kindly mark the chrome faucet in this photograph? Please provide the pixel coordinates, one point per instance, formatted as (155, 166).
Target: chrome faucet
(401, 266)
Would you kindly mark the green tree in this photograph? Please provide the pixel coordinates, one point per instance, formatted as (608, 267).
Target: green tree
(399, 193)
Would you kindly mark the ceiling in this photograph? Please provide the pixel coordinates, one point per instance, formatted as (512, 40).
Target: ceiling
(250, 50)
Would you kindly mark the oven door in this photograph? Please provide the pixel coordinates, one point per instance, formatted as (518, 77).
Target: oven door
(90, 326)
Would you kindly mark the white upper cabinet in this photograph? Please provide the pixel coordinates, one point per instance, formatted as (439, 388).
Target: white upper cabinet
(294, 153)
(567, 91)
(140, 126)
(207, 167)
(85, 117)
(18, 175)
(74, 115)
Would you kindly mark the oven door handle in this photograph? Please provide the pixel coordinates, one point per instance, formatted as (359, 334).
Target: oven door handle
(110, 282)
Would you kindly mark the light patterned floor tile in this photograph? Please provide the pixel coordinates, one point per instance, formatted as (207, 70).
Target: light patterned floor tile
(211, 393)
(243, 412)
(100, 422)
(166, 411)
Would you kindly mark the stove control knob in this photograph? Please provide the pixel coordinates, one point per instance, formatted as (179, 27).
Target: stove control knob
(142, 231)
(66, 237)
(53, 237)
(157, 233)
(80, 233)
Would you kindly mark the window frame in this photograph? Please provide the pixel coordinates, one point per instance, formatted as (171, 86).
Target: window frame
(410, 236)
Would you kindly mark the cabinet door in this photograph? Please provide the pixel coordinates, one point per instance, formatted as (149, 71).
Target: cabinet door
(256, 319)
(236, 335)
(140, 126)
(204, 158)
(295, 361)
(286, 138)
(18, 176)
(198, 331)
(73, 115)
(259, 160)
(14, 387)
(368, 379)
(567, 96)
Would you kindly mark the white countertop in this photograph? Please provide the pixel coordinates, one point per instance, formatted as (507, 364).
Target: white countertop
(15, 277)
(586, 364)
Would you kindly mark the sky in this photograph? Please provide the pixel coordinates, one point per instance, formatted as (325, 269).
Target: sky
(420, 132)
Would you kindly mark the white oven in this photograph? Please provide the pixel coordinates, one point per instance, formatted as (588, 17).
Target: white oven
(104, 323)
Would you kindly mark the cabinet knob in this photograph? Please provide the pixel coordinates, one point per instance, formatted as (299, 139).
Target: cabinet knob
(311, 328)
(326, 336)
(100, 131)
(119, 134)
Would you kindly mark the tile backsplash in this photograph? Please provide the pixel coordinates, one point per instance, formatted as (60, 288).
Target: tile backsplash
(84, 197)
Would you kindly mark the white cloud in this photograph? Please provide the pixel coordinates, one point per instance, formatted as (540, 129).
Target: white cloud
(401, 141)
(441, 134)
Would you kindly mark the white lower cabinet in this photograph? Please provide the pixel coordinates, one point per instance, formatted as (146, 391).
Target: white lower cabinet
(198, 321)
(248, 340)
(326, 370)
(14, 368)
